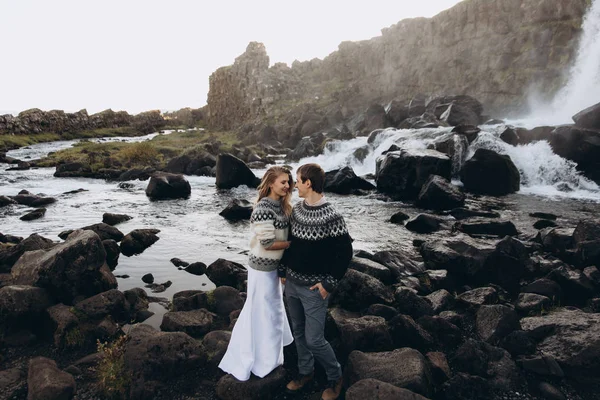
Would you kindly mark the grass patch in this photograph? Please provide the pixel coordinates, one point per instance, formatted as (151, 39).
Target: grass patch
(74, 338)
(113, 378)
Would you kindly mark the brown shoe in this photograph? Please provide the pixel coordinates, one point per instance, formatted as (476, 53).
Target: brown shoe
(300, 383)
(333, 390)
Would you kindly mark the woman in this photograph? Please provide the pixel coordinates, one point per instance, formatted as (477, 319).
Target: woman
(262, 329)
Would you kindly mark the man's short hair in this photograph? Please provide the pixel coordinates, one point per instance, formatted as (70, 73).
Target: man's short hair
(315, 173)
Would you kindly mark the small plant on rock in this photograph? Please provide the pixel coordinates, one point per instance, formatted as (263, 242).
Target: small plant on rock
(113, 379)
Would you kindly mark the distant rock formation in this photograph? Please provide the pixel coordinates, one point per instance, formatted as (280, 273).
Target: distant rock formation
(493, 51)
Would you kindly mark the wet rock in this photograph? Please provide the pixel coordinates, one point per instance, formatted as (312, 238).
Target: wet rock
(586, 238)
(464, 213)
(163, 186)
(6, 201)
(224, 300)
(138, 240)
(188, 300)
(484, 226)
(10, 255)
(356, 291)
(457, 114)
(158, 287)
(112, 302)
(229, 388)
(35, 214)
(70, 269)
(580, 145)
(425, 223)
(577, 289)
(556, 240)
(439, 194)
(400, 263)
(588, 118)
(399, 218)
(403, 173)
(469, 131)
(494, 322)
(371, 268)
(444, 333)
(46, 381)
(571, 337)
(133, 174)
(27, 199)
(375, 118)
(510, 136)
(237, 210)
(488, 172)
(233, 172)
(543, 215)
(151, 355)
(479, 297)
(179, 262)
(226, 273)
(112, 253)
(368, 333)
(345, 181)
(531, 303)
(195, 323)
(404, 368)
(197, 268)
(376, 389)
(114, 219)
(138, 302)
(199, 163)
(545, 287)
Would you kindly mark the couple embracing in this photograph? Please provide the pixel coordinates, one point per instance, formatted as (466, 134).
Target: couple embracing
(307, 248)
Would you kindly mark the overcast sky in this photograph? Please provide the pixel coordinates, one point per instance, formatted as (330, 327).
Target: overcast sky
(139, 55)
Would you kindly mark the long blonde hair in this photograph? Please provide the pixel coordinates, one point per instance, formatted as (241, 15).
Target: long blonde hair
(270, 176)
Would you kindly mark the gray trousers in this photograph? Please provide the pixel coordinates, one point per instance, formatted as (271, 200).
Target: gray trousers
(308, 311)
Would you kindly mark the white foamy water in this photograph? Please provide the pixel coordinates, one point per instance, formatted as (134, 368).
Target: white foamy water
(583, 85)
(542, 171)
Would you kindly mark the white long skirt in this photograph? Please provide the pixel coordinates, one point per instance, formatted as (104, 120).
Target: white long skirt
(261, 331)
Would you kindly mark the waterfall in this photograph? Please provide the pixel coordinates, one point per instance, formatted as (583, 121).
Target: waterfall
(582, 89)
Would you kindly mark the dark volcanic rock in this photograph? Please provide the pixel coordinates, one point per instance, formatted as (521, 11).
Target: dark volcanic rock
(197, 268)
(10, 255)
(439, 194)
(163, 185)
(233, 172)
(488, 172)
(367, 333)
(114, 219)
(357, 291)
(425, 223)
(22, 306)
(112, 253)
(229, 388)
(237, 210)
(74, 268)
(227, 273)
(405, 368)
(105, 231)
(35, 214)
(399, 218)
(195, 323)
(345, 181)
(588, 118)
(376, 389)
(484, 226)
(46, 381)
(403, 173)
(495, 322)
(579, 145)
(138, 240)
(111, 302)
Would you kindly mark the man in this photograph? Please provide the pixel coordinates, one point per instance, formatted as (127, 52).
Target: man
(316, 260)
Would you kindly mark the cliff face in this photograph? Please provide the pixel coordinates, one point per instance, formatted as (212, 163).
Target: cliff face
(495, 51)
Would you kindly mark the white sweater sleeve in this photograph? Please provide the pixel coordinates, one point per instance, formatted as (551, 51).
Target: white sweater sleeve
(265, 232)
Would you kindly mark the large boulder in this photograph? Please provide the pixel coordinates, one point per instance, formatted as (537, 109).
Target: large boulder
(111, 302)
(227, 273)
(400, 263)
(372, 268)
(572, 337)
(403, 173)
(138, 240)
(579, 145)
(376, 389)
(105, 231)
(494, 322)
(357, 291)
(163, 185)
(488, 172)
(439, 194)
(46, 381)
(586, 239)
(195, 323)
(404, 368)
(151, 355)
(486, 226)
(368, 333)
(70, 269)
(457, 114)
(237, 210)
(267, 388)
(345, 181)
(588, 118)
(21, 306)
(233, 172)
(10, 255)
(114, 219)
